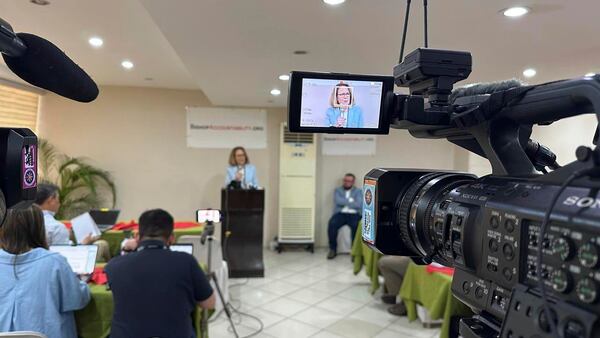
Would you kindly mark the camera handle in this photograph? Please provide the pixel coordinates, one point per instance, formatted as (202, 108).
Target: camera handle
(502, 123)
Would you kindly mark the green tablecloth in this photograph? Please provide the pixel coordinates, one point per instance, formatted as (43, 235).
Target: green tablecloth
(363, 255)
(95, 319)
(432, 291)
(115, 237)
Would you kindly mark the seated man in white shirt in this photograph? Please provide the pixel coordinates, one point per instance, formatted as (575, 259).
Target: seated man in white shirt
(56, 232)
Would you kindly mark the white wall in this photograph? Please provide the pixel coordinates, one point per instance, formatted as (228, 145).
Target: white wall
(139, 135)
(562, 137)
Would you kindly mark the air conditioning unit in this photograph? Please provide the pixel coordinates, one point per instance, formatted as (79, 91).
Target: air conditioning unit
(297, 188)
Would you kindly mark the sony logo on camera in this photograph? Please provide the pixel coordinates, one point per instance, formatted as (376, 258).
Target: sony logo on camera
(582, 202)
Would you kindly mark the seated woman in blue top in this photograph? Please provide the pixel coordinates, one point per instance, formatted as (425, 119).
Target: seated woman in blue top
(38, 289)
(240, 173)
(343, 112)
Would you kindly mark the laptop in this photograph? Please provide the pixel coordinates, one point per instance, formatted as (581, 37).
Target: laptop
(105, 218)
(187, 248)
(81, 258)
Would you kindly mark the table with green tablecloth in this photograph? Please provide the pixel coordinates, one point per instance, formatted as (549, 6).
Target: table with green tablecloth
(433, 292)
(115, 237)
(363, 255)
(95, 319)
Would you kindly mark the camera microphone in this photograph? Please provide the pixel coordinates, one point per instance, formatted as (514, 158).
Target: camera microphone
(42, 64)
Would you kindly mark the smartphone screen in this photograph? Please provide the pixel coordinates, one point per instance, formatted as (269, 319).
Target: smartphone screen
(205, 215)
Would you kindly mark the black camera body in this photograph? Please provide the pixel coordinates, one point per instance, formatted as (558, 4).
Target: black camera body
(493, 230)
(488, 229)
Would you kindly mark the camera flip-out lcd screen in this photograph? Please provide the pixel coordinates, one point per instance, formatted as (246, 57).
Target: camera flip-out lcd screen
(339, 103)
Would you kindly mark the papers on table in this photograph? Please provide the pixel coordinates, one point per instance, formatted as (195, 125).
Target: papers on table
(81, 258)
(84, 225)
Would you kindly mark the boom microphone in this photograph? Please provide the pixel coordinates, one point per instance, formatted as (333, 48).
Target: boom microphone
(39, 62)
(44, 65)
(10, 44)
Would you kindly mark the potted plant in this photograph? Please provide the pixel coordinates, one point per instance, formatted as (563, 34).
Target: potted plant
(82, 186)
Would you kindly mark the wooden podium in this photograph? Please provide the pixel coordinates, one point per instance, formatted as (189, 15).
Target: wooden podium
(242, 232)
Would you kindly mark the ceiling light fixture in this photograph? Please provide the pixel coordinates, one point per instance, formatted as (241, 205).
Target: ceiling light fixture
(515, 12)
(40, 2)
(334, 2)
(529, 72)
(284, 77)
(127, 64)
(590, 74)
(96, 42)
(300, 52)
(275, 92)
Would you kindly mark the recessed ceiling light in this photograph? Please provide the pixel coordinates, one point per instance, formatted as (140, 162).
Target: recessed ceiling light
(96, 42)
(284, 77)
(275, 92)
(590, 74)
(515, 12)
(40, 2)
(334, 2)
(127, 64)
(529, 72)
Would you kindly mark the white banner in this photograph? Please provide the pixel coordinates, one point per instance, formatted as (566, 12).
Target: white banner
(226, 128)
(349, 145)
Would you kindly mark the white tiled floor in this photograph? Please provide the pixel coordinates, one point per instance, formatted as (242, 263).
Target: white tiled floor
(306, 295)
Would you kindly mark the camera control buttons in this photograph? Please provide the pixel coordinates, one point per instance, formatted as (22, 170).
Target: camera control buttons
(493, 244)
(508, 275)
(574, 328)
(510, 225)
(494, 222)
(508, 251)
(561, 281)
(587, 291)
(466, 286)
(588, 255)
(562, 247)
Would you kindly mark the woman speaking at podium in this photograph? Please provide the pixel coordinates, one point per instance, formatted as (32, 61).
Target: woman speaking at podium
(240, 173)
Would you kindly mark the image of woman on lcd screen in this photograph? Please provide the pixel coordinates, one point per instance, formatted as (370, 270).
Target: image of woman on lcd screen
(343, 113)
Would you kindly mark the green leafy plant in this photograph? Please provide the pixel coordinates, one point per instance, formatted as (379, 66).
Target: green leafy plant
(82, 186)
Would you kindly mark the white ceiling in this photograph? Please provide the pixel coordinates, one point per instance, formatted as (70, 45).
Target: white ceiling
(234, 50)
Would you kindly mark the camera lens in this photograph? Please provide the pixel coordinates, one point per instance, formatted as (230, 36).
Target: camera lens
(416, 210)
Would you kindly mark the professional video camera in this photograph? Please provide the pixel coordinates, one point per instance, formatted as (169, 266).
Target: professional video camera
(44, 65)
(524, 242)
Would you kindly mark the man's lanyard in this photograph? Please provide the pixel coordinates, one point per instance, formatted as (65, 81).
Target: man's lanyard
(152, 247)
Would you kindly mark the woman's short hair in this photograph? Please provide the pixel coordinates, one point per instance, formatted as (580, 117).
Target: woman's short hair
(23, 230)
(232, 161)
(333, 99)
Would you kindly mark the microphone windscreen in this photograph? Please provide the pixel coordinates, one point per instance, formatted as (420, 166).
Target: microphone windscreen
(484, 88)
(44, 65)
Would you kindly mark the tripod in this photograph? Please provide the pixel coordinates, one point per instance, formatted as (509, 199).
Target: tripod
(208, 233)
